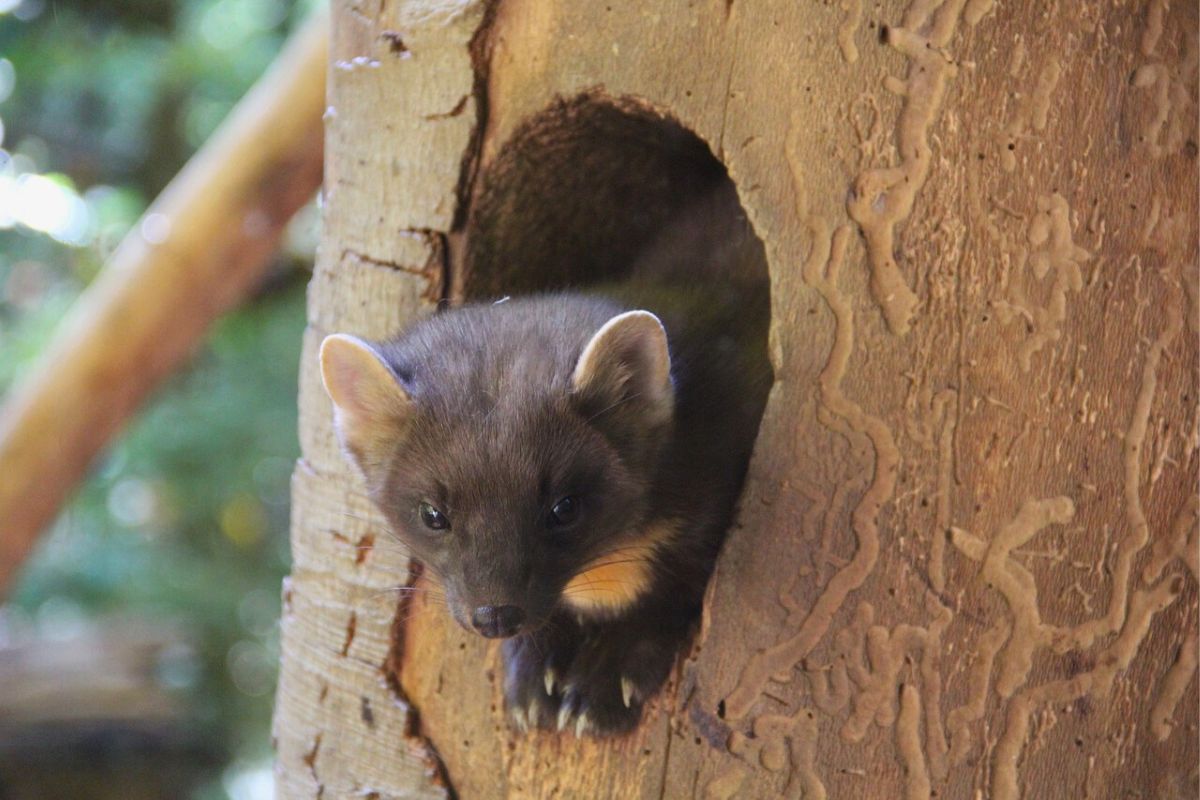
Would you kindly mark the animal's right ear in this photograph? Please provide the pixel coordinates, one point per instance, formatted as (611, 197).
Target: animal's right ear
(371, 409)
(626, 370)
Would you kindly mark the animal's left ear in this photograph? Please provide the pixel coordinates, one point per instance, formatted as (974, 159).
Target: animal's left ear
(626, 367)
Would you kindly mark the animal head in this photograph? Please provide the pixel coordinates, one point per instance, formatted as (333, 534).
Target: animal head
(513, 448)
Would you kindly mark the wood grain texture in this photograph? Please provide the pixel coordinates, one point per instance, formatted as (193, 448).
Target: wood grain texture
(966, 560)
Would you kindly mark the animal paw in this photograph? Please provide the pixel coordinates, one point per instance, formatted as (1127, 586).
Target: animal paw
(614, 672)
(532, 666)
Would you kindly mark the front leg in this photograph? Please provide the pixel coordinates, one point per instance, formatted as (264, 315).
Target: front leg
(616, 668)
(533, 666)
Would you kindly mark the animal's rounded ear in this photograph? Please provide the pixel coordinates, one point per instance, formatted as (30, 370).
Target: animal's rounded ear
(371, 407)
(627, 363)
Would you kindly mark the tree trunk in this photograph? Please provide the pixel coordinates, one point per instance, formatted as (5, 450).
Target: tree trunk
(966, 559)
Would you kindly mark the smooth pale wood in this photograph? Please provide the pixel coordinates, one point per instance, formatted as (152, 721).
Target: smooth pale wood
(966, 558)
(198, 250)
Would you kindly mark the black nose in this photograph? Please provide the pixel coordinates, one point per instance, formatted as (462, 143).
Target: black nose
(497, 622)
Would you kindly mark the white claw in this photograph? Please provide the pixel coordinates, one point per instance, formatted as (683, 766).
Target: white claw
(535, 713)
(520, 719)
(549, 680)
(564, 714)
(581, 724)
(626, 690)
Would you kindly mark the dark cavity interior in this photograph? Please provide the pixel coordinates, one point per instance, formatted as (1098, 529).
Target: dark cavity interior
(588, 190)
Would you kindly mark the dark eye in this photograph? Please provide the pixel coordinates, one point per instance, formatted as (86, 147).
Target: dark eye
(564, 512)
(432, 518)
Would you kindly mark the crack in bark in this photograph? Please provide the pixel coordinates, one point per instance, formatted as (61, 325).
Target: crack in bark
(458, 109)
(480, 48)
(436, 270)
(728, 85)
(419, 744)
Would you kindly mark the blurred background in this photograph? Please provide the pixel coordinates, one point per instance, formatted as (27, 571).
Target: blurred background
(138, 646)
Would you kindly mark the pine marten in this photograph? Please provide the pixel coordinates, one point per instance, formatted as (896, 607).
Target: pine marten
(567, 464)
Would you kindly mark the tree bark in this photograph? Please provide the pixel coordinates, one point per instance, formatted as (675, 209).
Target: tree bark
(966, 559)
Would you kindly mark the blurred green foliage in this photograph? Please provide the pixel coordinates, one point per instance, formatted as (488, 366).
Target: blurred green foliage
(184, 519)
